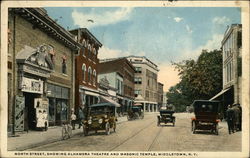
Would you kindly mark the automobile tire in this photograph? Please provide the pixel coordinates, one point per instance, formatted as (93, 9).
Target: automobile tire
(85, 130)
(193, 127)
(216, 129)
(114, 127)
(107, 128)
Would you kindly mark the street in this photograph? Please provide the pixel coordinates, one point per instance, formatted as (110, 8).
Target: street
(145, 135)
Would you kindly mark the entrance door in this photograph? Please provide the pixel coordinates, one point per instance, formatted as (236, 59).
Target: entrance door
(30, 112)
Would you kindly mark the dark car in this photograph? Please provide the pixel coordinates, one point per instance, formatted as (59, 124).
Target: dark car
(135, 112)
(100, 117)
(206, 116)
(166, 116)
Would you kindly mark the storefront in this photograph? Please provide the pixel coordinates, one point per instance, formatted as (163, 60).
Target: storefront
(58, 104)
(31, 105)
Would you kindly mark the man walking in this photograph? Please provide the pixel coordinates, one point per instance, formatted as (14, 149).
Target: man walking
(230, 119)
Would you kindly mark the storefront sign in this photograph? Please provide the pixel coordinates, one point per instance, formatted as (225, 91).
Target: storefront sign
(31, 85)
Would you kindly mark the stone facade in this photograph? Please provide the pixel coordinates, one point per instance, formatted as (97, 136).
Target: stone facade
(146, 84)
(49, 53)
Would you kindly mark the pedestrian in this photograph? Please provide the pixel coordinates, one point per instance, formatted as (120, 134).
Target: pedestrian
(237, 116)
(230, 119)
(240, 117)
(73, 118)
(80, 116)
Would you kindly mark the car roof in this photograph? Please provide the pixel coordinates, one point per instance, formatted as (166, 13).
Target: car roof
(102, 104)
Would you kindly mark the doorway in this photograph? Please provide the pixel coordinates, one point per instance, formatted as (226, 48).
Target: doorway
(30, 112)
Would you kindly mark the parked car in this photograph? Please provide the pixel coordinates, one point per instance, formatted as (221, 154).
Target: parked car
(135, 112)
(206, 116)
(100, 117)
(166, 116)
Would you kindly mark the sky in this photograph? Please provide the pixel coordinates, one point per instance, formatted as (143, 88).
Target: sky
(162, 34)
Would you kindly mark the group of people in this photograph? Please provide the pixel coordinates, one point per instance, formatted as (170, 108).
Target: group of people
(76, 119)
(234, 118)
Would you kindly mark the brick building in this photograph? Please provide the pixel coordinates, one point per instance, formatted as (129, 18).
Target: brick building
(120, 74)
(86, 67)
(40, 70)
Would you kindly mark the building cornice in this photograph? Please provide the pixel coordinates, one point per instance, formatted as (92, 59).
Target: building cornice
(46, 24)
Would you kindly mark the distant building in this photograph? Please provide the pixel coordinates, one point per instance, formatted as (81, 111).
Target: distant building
(40, 70)
(120, 74)
(146, 85)
(160, 94)
(165, 99)
(232, 66)
(86, 67)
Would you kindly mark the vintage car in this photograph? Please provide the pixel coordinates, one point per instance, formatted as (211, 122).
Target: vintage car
(100, 116)
(135, 112)
(166, 116)
(206, 116)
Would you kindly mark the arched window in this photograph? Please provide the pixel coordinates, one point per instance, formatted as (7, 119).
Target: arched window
(94, 77)
(89, 50)
(84, 43)
(83, 72)
(89, 74)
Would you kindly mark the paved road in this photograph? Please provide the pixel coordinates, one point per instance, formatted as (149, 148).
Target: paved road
(145, 135)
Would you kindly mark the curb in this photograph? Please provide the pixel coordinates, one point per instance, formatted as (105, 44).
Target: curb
(49, 141)
(41, 143)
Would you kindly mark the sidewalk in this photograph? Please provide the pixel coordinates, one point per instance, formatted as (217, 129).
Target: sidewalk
(37, 138)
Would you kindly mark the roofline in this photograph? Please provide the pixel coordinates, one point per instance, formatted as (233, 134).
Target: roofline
(229, 31)
(39, 18)
(90, 34)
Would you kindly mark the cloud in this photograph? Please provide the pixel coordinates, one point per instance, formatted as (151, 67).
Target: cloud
(178, 19)
(93, 19)
(221, 20)
(168, 76)
(189, 30)
(106, 52)
(211, 44)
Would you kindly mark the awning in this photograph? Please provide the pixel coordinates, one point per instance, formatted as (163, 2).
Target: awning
(108, 99)
(91, 93)
(220, 93)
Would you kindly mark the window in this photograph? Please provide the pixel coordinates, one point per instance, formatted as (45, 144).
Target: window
(89, 74)
(89, 50)
(84, 43)
(94, 77)
(137, 92)
(138, 69)
(137, 80)
(83, 72)
(64, 65)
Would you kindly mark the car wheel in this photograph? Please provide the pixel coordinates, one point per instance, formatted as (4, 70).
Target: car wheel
(107, 128)
(114, 127)
(85, 130)
(217, 129)
(193, 127)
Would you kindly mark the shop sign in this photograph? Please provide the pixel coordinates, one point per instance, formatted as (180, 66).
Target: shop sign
(31, 85)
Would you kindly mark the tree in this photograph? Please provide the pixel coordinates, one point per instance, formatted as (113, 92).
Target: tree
(200, 79)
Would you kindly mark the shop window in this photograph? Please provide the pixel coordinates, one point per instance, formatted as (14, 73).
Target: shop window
(64, 113)
(52, 105)
(83, 72)
(89, 74)
(64, 65)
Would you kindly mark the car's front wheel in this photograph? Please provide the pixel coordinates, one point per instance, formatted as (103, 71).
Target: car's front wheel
(107, 128)
(85, 130)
